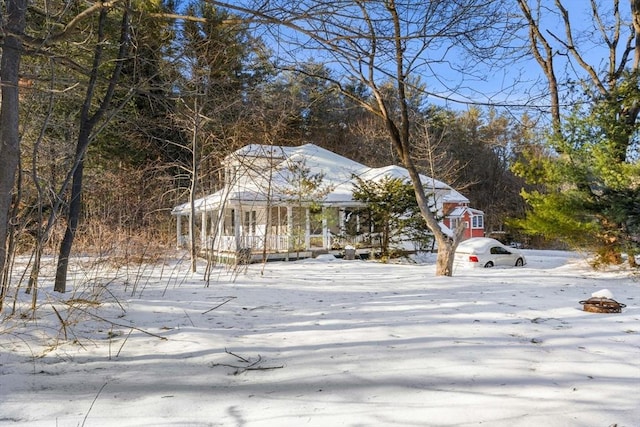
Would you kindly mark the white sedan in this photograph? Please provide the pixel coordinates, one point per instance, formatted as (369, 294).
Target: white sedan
(487, 252)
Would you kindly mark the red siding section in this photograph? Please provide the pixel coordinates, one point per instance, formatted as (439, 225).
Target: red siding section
(467, 217)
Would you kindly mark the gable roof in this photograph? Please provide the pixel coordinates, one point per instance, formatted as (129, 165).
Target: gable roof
(337, 175)
(459, 211)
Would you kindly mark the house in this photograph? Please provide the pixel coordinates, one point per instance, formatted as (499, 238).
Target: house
(281, 200)
(472, 218)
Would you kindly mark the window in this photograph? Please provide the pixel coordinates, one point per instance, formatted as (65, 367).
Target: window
(477, 221)
(454, 223)
(250, 222)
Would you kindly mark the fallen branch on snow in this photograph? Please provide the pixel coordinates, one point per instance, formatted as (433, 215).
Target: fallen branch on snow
(248, 364)
(219, 305)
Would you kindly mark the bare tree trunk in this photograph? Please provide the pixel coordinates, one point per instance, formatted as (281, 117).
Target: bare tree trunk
(401, 141)
(87, 124)
(446, 245)
(543, 53)
(73, 215)
(9, 121)
(41, 231)
(194, 184)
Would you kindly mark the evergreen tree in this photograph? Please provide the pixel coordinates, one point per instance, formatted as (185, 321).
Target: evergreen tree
(392, 210)
(591, 181)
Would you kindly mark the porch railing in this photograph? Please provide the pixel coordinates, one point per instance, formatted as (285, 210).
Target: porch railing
(279, 243)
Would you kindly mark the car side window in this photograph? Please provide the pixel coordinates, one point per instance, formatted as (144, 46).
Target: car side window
(497, 250)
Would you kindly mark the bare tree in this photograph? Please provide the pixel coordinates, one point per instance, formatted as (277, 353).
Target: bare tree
(378, 42)
(612, 34)
(89, 120)
(12, 26)
(191, 116)
(544, 53)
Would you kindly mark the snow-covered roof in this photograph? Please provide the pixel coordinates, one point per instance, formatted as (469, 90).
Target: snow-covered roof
(460, 210)
(337, 177)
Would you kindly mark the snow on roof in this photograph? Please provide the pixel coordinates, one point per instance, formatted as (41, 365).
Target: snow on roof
(446, 230)
(445, 192)
(320, 160)
(460, 210)
(398, 172)
(337, 175)
(199, 204)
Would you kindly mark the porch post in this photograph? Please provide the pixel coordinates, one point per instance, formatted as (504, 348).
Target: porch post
(267, 233)
(289, 227)
(178, 231)
(203, 229)
(279, 230)
(307, 229)
(220, 233)
(236, 227)
(325, 229)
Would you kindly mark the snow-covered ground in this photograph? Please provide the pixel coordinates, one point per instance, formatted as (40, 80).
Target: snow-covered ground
(326, 342)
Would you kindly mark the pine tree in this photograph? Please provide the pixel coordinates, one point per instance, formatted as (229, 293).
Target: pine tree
(392, 209)
(591, 181)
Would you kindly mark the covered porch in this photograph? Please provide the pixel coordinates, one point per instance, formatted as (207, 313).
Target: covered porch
(260, 228)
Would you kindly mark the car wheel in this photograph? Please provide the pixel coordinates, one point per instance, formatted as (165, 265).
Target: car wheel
(519, 262)
(488, 265)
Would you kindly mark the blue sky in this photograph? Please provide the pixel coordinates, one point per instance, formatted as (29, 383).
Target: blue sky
(511, 84)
